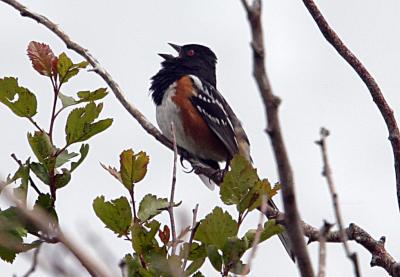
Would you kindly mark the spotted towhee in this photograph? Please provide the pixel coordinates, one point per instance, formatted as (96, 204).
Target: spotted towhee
(185, 93)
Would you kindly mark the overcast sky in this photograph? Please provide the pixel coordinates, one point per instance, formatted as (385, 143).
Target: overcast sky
(316, 86)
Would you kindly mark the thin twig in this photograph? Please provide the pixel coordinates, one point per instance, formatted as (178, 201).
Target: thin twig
(257, 236)
(322, 248)
(376, 93)
(171, 199)
(192, 233)
(327, 172)
(34, 261)
(271, 104)
(33, 185)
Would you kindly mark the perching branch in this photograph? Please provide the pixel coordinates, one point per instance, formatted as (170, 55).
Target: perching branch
(376, 93)
(327, 172)
(271, 103)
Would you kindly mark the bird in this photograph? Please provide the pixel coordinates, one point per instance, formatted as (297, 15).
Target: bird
(185, 93)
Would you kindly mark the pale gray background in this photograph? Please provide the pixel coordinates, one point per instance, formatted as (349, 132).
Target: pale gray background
(317, 87)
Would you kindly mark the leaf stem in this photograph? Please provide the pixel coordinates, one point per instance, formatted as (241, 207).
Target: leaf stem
(33, 185)
(132, 194)
(35, 124)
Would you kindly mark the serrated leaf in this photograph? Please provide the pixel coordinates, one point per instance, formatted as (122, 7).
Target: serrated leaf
(88, 96)
(194, 266)
(238, 180)
(216, 228)
(214, 257)
(270, 229)
(62, 179)
(40, 172)
(133, 167)
(84, 150)
(67, 101)
(42, 58)
(19, 99)
(64, 157)
(41, 146)
(22, 174)
(151, 206)
(80, 126)
(113, 171)
(115, 214)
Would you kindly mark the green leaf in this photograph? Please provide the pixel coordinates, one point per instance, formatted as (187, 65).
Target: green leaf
(87, 96)
(22, 173)
(194, 266)
(64, 157)
(66, 69)
(133, 167)
(234, 249)
(62, 179)
(270, 228)
(115, 214)
(11, 233)
(46, 203)
(214, 257)
(80, 126)
(84, 151)
(19, 99)
(67, 101)
(40, 171)
(151, 206)
(238, 181)
(41, 147)
(197, 251)
(216, 228)
(198, 274)
(253, 199)
(239, 268)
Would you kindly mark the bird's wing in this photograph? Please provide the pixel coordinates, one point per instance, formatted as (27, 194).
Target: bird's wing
(208, 101)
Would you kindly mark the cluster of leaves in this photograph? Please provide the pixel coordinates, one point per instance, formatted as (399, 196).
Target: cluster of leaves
(52, 165)
(214, 238)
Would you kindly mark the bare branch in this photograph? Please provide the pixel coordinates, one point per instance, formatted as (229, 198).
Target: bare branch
(322, 248)
(192, 233)
(327, 172)
(380, 257)
(257, 236)
(376, 93)
(271, 103)
(34, 261)
(171, 199)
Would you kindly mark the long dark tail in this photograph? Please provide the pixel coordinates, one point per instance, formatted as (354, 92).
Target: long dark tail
(284, 237)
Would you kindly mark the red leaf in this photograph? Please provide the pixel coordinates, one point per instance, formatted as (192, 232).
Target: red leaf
(42, 57)
(164, 235)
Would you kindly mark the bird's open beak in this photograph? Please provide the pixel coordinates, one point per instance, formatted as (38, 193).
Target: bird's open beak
(169, 56)
(176, 47)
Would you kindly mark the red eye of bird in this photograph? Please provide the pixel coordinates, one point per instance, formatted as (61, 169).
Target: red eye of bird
(190, 53)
